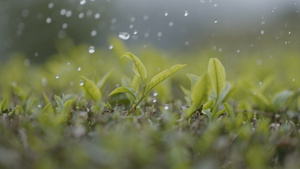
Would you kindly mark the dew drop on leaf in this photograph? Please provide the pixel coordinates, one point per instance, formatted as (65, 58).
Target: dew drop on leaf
(166, 107)
(124, 35)
(155, 94)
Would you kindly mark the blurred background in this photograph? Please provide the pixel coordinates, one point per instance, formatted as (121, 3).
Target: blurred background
(37, 28)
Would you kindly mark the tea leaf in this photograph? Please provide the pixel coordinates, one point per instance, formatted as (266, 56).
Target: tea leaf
(193, 79)
(224, 93)
(103, 80)
(208, 105)
(59, 102)
(229, 110)
(200, 93)
(90, 89)
(2, 106)
(127, 90)
(280, 98)
(139, 68)
(217, 75)
(163, 75)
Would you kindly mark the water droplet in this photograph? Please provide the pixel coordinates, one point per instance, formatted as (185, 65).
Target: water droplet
(124, 35)
(260, 83)
(220, 49)
(135, 32)
(39, 106)
(215, 5)
(64, 25)
(132, 19)
(146, 17)
(166, 107)
(254, 93)
(36, 54)
(97, 15)
(44, 81)
(71, 83)
(159, 34)
(79, 68)
(81, 15)
(154, 100)
(50, 5)
(91, 49)
(186, 13)
(68, 13)
(110, 47)
(82, 2)
(262, 32)
(56, 77)
(48, 20)
(215, 21)
(289, 33)
(171, 24)
(130, 26)
(166, 13)
(146, 35)
(68, 63)
(262, 22)
(63, 11)
(155, 94)
(259, 62)
(27, 62)
(113, 21)
(293, 79)
(81, 83)
(93, 33)
(186, 43)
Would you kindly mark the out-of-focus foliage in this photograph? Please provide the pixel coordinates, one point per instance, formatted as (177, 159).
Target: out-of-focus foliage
(59, 114)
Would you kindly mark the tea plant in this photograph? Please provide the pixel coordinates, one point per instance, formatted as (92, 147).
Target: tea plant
(140, 70)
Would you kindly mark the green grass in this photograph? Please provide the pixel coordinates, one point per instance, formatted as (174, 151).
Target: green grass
(216, 112)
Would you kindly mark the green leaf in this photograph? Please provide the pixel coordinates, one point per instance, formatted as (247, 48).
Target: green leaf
(229, 110)
(208, 105)
(193, 79)
(261, 99)
(103, 80)
(280, 98)
(127, 90)
(2, 106)
(200, 93)
(224, 93)
(219, 113)
(136, 83)
(139, 68)
(47, 101)
(29, 104)
(90, 89)
(59, 102)
(217, 75)
(163, 75)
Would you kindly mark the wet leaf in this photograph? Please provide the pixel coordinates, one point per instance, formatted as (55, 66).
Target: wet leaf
(280, 98)
(90, 89)
(127, 90)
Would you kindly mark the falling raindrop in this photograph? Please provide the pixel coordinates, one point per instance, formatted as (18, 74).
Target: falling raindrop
(124, 35)
(289, 33)
(154, 100)
(159, 34)
(56, 77)
(68, 13)
(171, 24)
(166, 13)
(50, 5)
(110, 47)
(39, 106)
(146, 17)
(68, 63)
(238, 51)
(262, 22)
(262, 32)
(81, 15)
(215, 5)
(79, 68)
(93, 33)
(44, 81)
(215, 21)
(64, 25)
(155, 94)
(166, 107)
(259, 62)
(91, 49)
(293, 79)
(63, 11)
(186, 13)
(186, 43)
(81, 83)
(97, 15)
(82, 2)
(132, 19)
(260, 83)
(130, 26)
(135, 32)
(48, 20)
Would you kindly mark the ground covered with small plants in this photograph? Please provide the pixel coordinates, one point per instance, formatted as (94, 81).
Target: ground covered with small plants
(99, 108)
